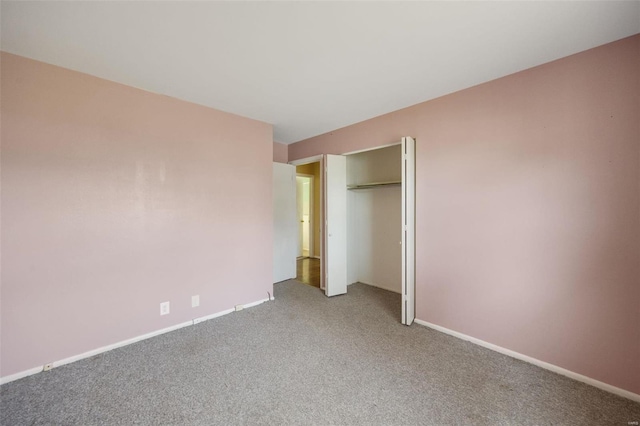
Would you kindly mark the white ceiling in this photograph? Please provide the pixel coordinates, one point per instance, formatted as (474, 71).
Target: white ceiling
(308, 67)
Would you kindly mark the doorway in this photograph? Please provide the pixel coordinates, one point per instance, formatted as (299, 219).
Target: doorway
(304, 208)
(309, 207)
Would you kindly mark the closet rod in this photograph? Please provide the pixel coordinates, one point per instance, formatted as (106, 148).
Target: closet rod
(374, 185)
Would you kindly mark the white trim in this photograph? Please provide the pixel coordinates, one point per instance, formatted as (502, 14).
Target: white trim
(374, 148)
(93, 352)
(20, 375)
(321, 223)
(312, 216)
(256, 303)
(212, 316)
(316, 158)
(379, 286)
(312, 242)
(122, 343)
(308, 160)
(409, 230)
(559, 370)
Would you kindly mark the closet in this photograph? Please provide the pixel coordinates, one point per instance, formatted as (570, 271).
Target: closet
(368, 218)
(374, 218)
(381, 220)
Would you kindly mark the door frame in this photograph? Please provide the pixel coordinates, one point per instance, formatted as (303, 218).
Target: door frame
(408, 229)
(374, 148)
(311, 211)
(301, 162)
(409, 296)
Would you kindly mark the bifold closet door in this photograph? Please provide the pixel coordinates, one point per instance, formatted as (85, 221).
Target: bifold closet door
(408, 230)
(335, 205)
(285, 224)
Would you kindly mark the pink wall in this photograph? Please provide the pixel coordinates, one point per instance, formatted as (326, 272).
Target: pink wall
(528, 209)
(114, 200)
(280, 152)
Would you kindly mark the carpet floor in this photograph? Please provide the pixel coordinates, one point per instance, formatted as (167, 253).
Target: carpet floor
(307, 359)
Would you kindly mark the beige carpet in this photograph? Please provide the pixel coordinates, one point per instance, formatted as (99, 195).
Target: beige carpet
(306, 359)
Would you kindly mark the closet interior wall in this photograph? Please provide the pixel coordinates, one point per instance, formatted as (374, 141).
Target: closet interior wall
(374, 218)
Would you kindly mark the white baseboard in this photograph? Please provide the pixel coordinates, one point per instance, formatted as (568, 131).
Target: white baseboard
(256, 303)
(21, 375)
(381, 287)
(122, 343)
(568, 373)
(212, 316)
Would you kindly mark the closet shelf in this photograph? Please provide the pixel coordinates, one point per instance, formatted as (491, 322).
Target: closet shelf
(374, 184)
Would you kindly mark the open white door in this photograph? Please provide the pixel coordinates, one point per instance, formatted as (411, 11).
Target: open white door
(285, 225)
(335, 205)
(408, 230)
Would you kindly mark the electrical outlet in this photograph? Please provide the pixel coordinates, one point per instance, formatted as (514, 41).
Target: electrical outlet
(47, 367)
(239, 307)
(195, 301)
(164, 308)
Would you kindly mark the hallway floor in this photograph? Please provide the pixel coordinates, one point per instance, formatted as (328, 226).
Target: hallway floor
(308, 271)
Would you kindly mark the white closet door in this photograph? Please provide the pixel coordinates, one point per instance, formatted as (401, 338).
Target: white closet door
(285, 224)
(336, 225)
(408, 230)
